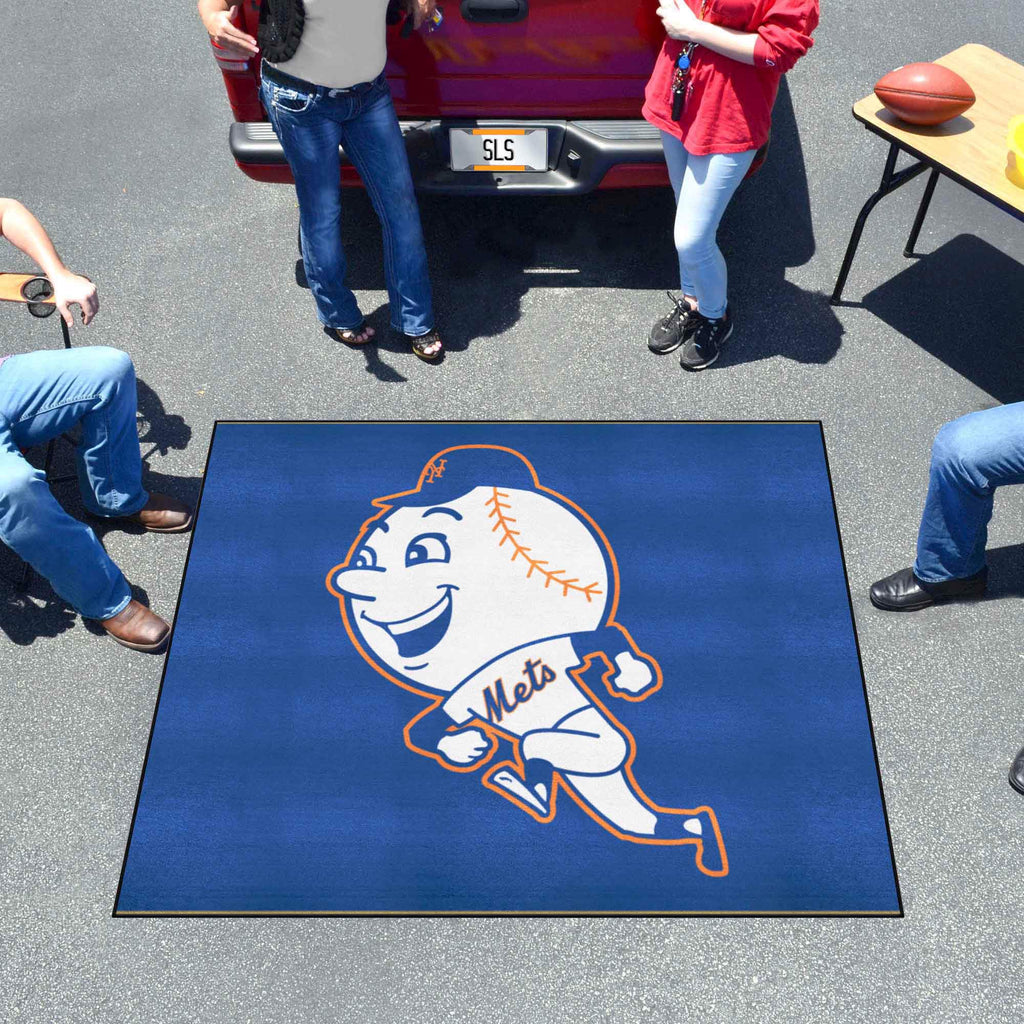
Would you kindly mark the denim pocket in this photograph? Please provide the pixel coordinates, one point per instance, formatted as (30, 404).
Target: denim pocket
(376, 87)
(378, 94)
(291, 101)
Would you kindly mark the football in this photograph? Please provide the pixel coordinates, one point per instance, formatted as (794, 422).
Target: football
(924, 93)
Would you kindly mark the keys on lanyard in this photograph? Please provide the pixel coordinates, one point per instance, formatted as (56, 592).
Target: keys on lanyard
(682, 71)
(679, 77)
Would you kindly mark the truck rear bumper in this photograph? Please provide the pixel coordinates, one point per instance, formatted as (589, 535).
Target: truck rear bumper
(580, 156)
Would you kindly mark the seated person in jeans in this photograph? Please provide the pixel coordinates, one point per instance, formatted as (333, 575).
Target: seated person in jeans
(972, 456)
(42, 395)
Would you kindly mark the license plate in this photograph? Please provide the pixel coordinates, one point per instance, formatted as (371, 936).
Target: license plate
(499, 149)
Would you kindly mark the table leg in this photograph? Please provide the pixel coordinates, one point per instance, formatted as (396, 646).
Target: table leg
(922, 211)
(891, 180)
(51, 447)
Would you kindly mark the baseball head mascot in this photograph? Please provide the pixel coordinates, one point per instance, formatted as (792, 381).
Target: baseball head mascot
(492, 595)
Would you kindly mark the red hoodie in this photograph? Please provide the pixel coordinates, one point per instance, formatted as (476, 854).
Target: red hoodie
(728, 106)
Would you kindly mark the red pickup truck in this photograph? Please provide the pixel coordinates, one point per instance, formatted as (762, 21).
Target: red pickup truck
(517, 96)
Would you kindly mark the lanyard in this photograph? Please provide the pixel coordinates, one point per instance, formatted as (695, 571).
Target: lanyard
(682, 70)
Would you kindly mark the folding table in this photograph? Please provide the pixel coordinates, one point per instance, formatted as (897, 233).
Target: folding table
(970, 149)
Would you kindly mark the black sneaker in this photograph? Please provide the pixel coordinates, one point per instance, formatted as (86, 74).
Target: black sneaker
(672, 330)
(704, 346)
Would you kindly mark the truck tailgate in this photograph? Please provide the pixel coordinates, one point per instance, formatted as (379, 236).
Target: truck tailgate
(565, 58)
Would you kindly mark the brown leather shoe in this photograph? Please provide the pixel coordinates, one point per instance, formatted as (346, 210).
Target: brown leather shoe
(163, 514)
(138, 628)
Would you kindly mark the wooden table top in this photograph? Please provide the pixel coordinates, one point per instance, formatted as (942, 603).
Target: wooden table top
(972, 147)
(11, 285)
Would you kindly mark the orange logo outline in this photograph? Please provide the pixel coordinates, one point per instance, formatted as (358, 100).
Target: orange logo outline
(431, 471)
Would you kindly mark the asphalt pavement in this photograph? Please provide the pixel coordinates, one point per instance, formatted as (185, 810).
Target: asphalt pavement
(114, 132)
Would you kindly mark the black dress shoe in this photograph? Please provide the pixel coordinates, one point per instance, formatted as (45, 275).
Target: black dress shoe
(1017, 771)
(904, 592)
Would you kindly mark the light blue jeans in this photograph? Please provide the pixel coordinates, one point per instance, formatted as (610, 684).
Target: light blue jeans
(971, 457)
(703, 186)
(311, 123)
(42, 395)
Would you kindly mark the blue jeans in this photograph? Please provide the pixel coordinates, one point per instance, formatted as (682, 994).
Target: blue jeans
(311, 123)
(971, 457)
(43, 394)
(703, 186)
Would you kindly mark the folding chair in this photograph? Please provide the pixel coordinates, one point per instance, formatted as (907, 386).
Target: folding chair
(36, 294)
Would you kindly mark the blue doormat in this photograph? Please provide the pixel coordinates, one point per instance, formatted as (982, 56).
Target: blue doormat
(512, 668)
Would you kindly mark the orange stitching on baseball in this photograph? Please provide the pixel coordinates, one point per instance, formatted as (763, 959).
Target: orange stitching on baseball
(556, 576)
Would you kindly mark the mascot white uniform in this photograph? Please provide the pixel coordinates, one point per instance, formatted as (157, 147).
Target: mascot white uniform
(493, 595)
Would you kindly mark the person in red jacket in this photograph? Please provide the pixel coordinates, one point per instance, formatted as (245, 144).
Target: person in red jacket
(711, 93)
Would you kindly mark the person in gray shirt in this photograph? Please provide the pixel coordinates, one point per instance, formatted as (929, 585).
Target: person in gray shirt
(323, 86)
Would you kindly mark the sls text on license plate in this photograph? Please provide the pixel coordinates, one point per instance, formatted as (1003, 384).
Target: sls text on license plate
(499, 149)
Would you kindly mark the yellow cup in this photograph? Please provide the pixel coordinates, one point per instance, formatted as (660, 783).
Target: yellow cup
(1015, 158)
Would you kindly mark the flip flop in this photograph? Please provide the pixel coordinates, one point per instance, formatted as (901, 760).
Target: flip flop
(348, 335)
(421, 342)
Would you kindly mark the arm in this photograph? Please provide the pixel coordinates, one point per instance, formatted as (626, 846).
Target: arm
(606, 640)
(216, 17)
(681, 23)
(24, 232)
(779, 42)
(427, 728)
(628, 674)
(428, 733)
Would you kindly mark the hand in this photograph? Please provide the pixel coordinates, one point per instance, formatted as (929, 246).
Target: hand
(633, 676)
(72, 290)
(464, 747)
(420, 11)
(231, 39)
(679, 21)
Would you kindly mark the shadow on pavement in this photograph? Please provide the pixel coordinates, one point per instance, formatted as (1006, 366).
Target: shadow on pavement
(486, 253)
(766, 230)
(157, 427)
(1005, 572)
(384, 340)
(25, 616)
(962, 304)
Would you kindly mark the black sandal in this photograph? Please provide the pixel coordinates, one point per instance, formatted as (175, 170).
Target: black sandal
(420, 343)
(348, 335)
